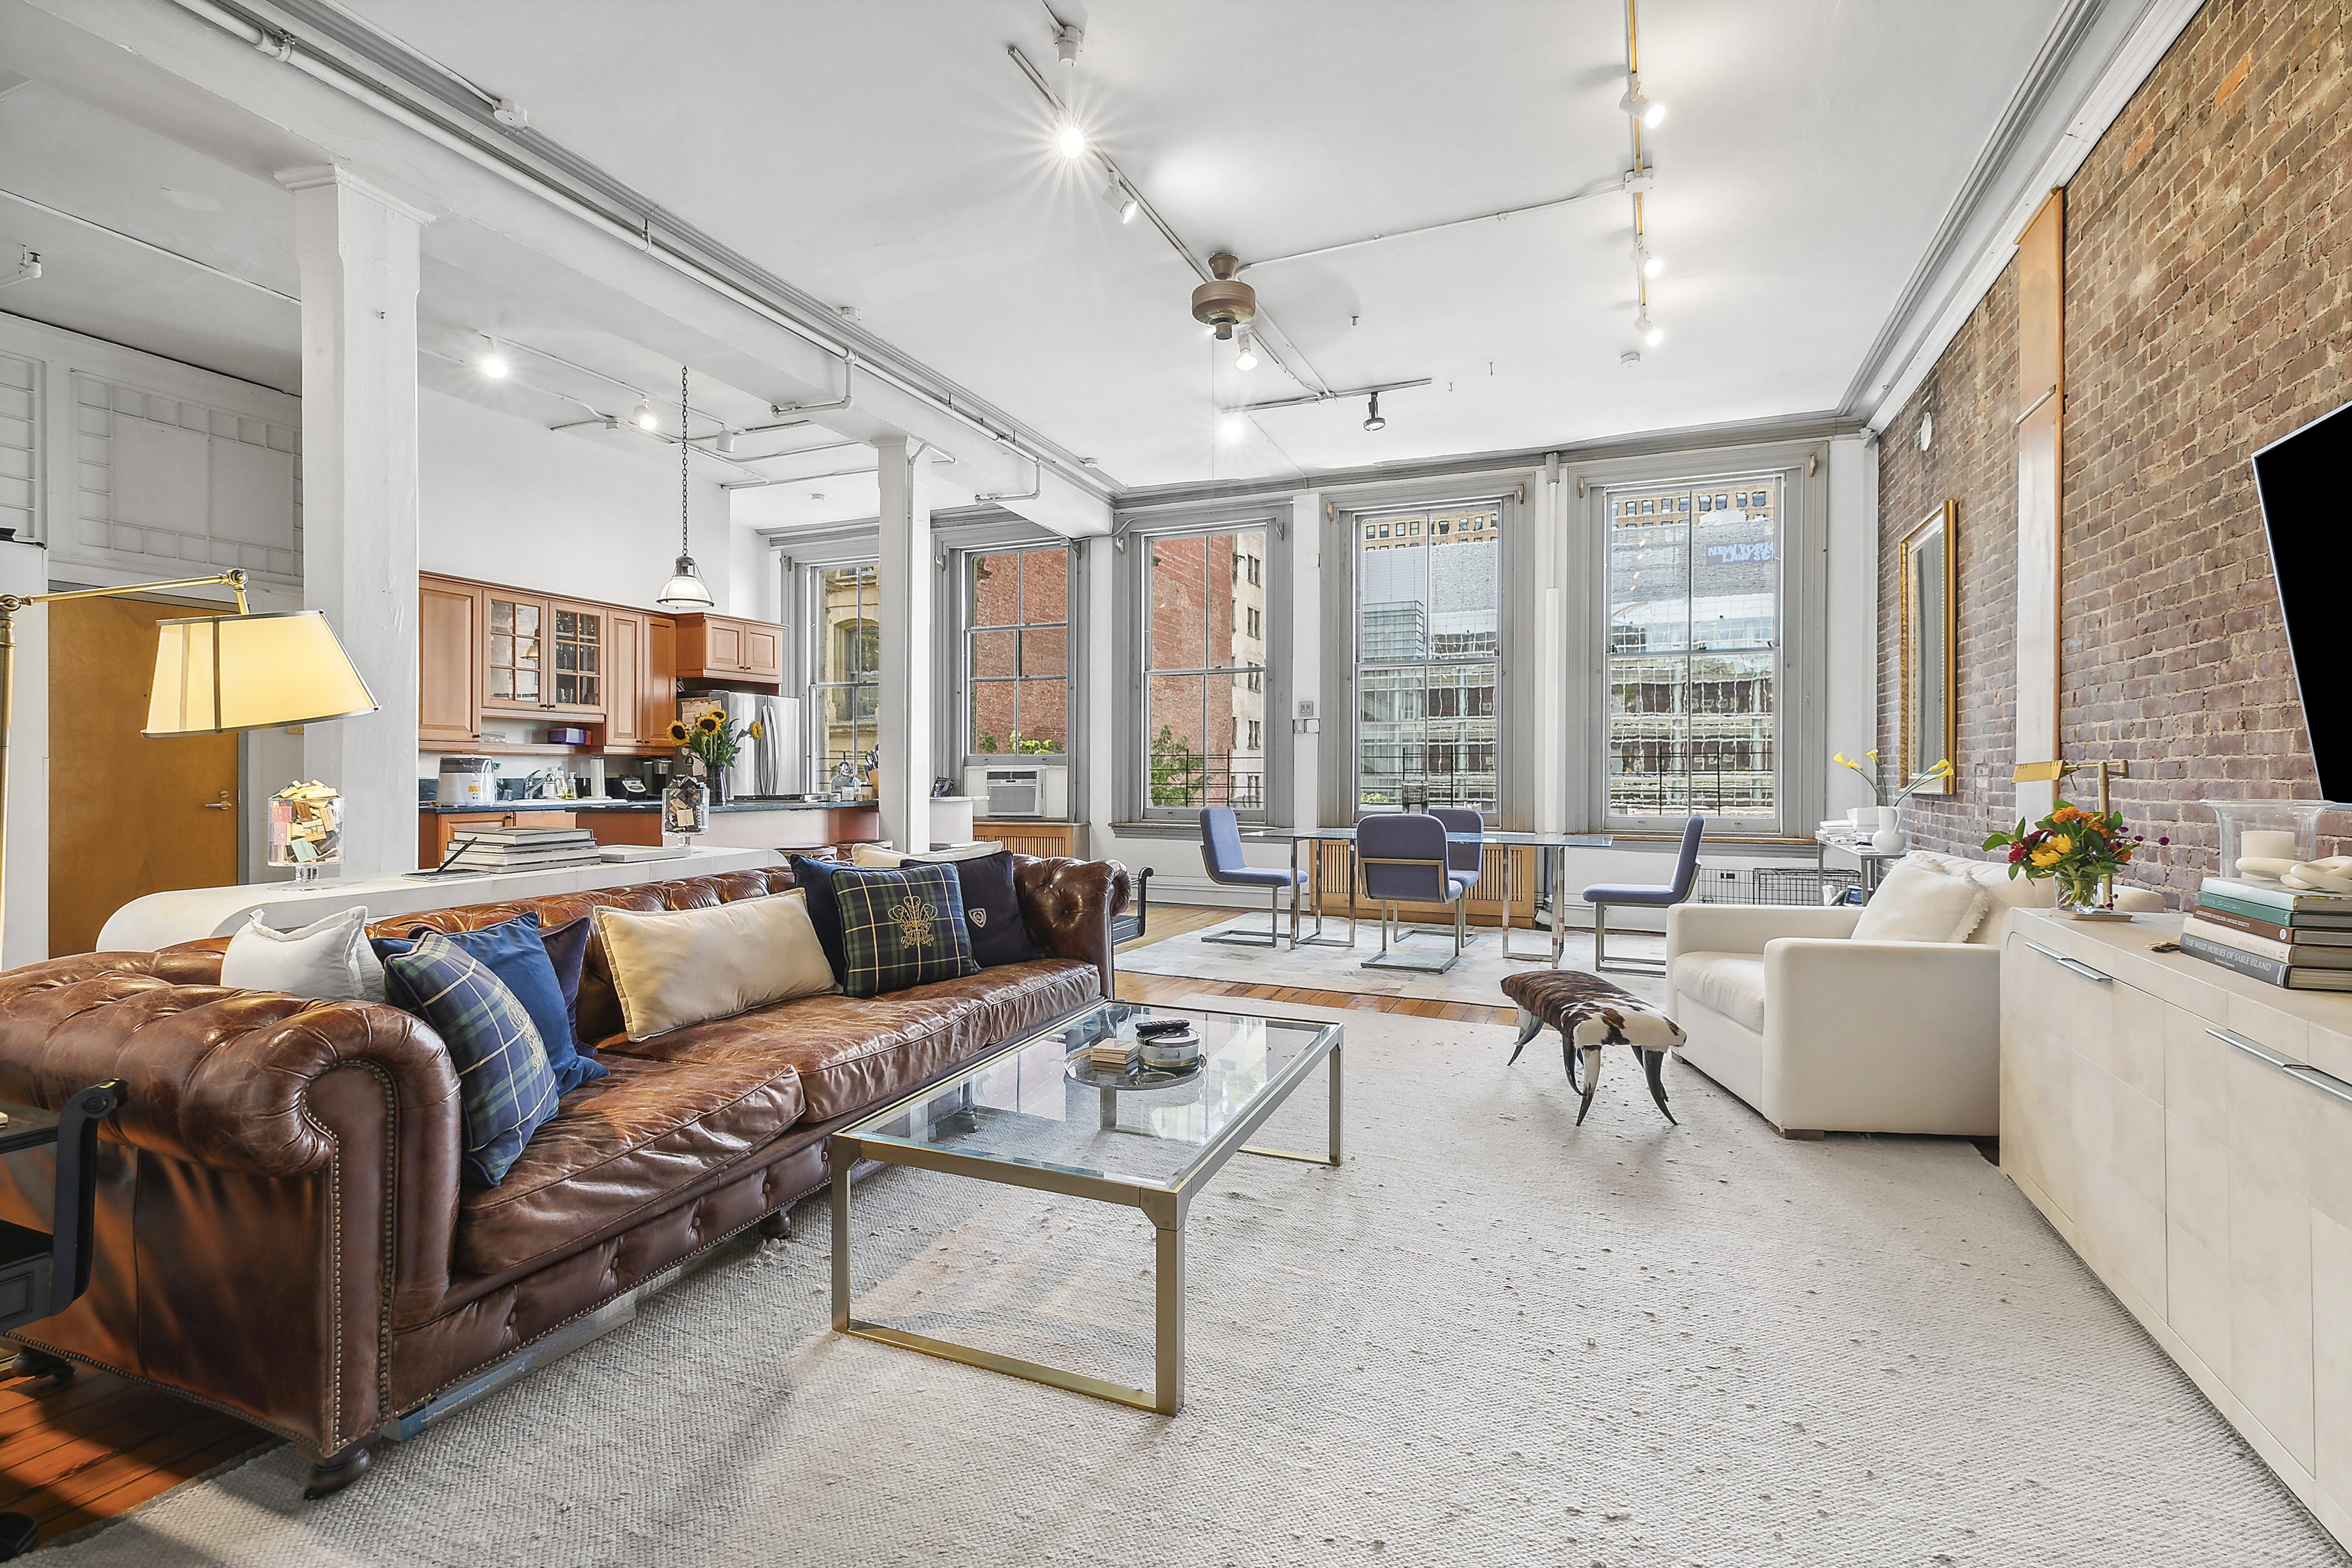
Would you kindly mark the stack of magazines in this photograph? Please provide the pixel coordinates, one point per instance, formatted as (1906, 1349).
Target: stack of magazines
(2273, 934)
(523, 848)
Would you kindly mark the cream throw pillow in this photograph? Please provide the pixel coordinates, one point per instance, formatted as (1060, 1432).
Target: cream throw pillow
(1917, 904)
(678, 967)
(874, 857)
(326, 961)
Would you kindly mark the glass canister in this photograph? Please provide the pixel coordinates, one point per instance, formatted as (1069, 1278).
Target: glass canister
(306, 828)
(2260, 839)
(686, 805)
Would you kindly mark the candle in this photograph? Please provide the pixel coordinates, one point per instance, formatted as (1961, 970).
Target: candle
(2265, 845)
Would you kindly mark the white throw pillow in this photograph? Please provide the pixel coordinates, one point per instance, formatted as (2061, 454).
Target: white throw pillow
(874, 857)
(674, 967)
(327, 960)
(1917, 904)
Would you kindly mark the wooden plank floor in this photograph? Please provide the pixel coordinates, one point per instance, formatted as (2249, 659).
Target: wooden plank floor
(1173, 920)
(96, 1444)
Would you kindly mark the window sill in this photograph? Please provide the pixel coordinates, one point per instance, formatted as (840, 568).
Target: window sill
(1184, 830)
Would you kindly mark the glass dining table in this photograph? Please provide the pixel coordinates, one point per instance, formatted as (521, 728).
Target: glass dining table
(1308, 890)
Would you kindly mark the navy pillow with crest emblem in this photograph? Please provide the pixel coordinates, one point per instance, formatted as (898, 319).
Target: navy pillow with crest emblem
(992, 908)
(901, 928)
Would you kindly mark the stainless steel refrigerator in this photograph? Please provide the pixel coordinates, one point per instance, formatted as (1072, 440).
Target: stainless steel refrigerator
(769, 762)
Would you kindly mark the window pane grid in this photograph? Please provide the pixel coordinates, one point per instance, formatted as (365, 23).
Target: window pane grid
(1428, 630)
(1693, 638)
(1016, 653)
(846, 698)
(1204, 686)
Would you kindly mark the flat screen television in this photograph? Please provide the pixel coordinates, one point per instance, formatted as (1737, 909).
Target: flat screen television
(2300, 479)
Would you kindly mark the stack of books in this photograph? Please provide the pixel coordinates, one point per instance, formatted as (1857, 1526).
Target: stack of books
(1112, 1054)
(2273, 934)
(524, 849)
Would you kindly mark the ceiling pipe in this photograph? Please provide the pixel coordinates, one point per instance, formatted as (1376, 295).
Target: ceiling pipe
(1336, 395)
(1036, 486)
(152, 248)
(1610, 186)
(334, 74)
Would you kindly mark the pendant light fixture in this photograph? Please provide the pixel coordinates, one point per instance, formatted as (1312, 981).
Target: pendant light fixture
(685, 590)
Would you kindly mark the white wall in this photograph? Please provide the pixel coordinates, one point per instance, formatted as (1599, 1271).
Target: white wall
(508, 501)
(1852, 697)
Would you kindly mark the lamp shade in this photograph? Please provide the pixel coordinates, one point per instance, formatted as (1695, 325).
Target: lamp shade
(250, 672)
(687, 591)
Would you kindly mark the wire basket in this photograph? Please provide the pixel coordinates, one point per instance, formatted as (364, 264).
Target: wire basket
(1801, 885)
(1722, 884)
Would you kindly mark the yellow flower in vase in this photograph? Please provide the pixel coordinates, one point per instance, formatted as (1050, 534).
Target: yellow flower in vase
(710, 723)
(678, 733)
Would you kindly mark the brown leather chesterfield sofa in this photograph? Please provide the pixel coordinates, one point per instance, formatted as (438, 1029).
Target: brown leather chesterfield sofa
(281, 1232)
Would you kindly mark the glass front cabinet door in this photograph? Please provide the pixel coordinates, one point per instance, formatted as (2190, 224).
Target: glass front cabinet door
(576, 653)
(514, 653)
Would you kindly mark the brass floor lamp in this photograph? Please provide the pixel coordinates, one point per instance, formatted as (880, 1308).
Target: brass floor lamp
(213, 673)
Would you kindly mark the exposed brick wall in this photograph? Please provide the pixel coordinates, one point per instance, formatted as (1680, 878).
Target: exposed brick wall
(2208, 299)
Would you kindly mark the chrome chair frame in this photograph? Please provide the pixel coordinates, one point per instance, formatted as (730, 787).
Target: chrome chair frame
(1388, 921)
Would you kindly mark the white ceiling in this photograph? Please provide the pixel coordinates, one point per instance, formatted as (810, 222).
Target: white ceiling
(893, 159)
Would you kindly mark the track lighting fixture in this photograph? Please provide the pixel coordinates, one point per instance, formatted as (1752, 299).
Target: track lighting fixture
(494, 365)
(1646, 259)
(1067, 39)
(1072, 141)
(1234, 425)
(1122, 200)
(646, 419)
(1650, 334)
(1372, 420)
(1639, 106)
(1246, 359)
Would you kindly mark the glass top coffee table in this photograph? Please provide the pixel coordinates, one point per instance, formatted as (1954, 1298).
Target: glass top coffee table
(1018, 1118)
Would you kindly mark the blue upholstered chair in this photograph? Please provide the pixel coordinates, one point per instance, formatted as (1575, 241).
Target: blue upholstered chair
(1221, 853)
(1643, 896)
(1462, 859)
(1403, 858)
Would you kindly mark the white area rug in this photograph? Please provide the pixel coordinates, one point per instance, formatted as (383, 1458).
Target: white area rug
(1478, 977)
(1488, 1338)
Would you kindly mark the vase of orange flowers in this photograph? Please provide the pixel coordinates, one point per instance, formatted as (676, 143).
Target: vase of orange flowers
(2080, 850)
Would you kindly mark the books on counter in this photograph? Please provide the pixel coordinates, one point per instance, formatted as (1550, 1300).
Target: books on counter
(524, 848)
(2298, 940)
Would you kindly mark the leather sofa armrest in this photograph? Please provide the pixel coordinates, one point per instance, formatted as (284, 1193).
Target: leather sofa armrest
(1746, 927)
(239, 1080)
(1068, 905)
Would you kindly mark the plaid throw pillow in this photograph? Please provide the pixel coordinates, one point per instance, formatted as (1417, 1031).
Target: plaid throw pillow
(506, 1087)
(901, 928)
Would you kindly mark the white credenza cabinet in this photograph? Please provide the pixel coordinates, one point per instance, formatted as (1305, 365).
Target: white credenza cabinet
(2188, 1131)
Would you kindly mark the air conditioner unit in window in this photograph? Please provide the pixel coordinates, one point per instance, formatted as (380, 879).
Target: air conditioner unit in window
(1016, 792)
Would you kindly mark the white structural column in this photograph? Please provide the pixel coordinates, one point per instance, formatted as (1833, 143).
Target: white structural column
(1306, 682)
(905, 577)
(358, 250)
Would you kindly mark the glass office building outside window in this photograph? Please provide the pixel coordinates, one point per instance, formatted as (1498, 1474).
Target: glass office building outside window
(1017, 653)
(1205, 672)
(846, 694)
(1695, 601)
(1428, 626)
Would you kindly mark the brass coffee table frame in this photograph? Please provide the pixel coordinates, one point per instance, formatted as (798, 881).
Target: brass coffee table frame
(1165, 1204)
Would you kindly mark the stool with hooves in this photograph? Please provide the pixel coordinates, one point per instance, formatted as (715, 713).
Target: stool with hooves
(1590, 1014)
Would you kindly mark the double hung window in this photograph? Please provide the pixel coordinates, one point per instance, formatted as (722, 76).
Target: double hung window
(846, 694)
(1428, 628)
(1695, 633)
(1204, 660)
(1017, 653)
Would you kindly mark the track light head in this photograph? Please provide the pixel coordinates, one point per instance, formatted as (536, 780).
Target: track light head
(1233, 425)
(1071, 140)
(1246, 359)
(1067, 39)
(646, 419)
(1372, 420)
(1651, 334)
(494, 365)
(1122, 200)
(1648, 260)
(1641, 107)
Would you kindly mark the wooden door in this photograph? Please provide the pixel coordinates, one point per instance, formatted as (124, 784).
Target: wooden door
(578, 659)
(625, 697)
(128, 816)
(763, 651)
(448, 664)
(514, 652)
(661, 683)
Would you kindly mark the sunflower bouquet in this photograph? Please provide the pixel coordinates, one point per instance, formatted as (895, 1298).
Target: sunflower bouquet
(2080, 848)
(711, 739)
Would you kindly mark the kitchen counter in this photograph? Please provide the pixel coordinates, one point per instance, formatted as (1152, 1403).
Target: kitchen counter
(493, 807)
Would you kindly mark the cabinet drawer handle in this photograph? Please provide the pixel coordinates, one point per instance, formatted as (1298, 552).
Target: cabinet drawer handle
(2254, 1048)
(2060, 959)
(2325, 1083)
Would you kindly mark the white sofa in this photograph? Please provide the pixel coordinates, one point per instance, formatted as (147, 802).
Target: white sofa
(1823, 1034)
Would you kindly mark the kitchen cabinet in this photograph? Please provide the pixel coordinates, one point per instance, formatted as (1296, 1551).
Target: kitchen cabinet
(627, 662)
(448, 666)
(724, 648)
(514, 652)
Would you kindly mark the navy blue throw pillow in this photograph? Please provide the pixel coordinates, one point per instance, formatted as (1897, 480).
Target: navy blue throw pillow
(567, 950)
(991, 909)
(815, 878)
(513, 952)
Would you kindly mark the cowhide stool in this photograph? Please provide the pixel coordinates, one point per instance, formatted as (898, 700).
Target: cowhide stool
(1590, 1013)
